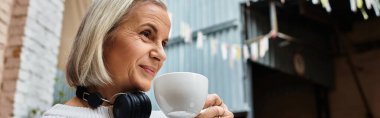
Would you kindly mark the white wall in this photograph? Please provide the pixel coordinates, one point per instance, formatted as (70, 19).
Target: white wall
(34, 91)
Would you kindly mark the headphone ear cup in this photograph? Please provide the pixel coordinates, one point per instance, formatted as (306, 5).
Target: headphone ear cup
(122, 107)
(132, 111)
(132, 105)
(94, 100)
(79, 92)
(140, 106)
(146, 104)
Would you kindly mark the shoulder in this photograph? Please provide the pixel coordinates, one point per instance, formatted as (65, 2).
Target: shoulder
(64, 111)
(55, 112)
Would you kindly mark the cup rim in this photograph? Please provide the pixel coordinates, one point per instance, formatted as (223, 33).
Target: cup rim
(186, 73)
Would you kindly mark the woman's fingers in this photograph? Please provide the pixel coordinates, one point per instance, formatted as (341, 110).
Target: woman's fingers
(214, 107)
(215, 111)
(224, 106)
(212, 112)
(213, 100)
(227, 113)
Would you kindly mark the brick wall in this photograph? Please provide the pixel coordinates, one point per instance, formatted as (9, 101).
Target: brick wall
(31, 39)
(13, 14)
(5, 16)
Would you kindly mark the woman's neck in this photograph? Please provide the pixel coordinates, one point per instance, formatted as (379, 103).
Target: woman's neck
(108, 92)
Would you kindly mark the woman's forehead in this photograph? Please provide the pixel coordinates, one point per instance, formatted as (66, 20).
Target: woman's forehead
(149, 13)
(151, 10)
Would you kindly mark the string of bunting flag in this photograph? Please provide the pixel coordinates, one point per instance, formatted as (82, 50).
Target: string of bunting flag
(355, 5)
(258, 48)
(231, 52)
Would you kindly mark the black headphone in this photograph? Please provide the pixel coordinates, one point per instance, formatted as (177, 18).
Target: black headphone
(126, 105)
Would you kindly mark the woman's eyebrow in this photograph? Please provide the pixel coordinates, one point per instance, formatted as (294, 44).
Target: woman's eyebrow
(150, 25)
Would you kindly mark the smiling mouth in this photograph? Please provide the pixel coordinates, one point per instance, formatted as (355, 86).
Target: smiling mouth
(148, 70)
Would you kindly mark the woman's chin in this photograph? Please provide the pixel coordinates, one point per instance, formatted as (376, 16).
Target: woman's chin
(145, 89)
(144, 86)
(143, 82)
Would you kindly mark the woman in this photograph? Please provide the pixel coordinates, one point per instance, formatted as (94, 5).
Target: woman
(119, 48)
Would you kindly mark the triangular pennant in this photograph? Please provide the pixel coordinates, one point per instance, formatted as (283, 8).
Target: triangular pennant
(245, 52)
(254, 51)
(315, 1)
(376, 7)
(170, 18)
(213, 46)
(224, 50)
(364, 13)
(186, 32)
(238, 52)
(326, 5)
(232, 56)
(359, 3)
(368, 4)
(264, 46)
(353, 5)
(199, 40)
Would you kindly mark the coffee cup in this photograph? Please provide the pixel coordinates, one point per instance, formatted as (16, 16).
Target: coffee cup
(181, 94)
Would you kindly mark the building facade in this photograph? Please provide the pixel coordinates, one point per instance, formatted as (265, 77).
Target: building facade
(30, 32)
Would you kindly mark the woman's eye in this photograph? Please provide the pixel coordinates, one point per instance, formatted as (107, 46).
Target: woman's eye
(164, 43)
(146, 33)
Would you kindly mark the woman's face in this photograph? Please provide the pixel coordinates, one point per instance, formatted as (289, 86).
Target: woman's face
(135, 52)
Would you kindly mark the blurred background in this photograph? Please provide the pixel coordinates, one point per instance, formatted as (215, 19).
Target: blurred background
(265, 58)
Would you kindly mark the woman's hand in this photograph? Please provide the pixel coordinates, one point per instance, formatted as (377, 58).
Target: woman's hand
(214, 107)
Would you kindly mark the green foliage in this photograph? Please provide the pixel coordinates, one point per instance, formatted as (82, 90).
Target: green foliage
(35, 113)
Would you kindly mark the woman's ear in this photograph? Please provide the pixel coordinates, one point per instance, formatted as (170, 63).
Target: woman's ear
(108, 43)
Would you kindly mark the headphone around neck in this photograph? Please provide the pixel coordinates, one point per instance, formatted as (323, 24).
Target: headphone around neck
(126, 105)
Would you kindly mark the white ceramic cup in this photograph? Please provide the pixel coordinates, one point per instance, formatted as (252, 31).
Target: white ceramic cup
(181, 94)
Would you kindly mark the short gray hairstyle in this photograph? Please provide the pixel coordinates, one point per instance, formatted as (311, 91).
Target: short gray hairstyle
(85, 66)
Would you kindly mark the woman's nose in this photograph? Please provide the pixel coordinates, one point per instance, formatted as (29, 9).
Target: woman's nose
(158, 54)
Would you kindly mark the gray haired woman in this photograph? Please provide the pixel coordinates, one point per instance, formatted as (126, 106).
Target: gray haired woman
(119, 48)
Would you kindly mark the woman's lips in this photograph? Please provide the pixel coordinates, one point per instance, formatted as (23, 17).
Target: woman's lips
(148, 69)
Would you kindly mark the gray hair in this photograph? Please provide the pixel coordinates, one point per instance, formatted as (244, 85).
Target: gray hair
(85, 66)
